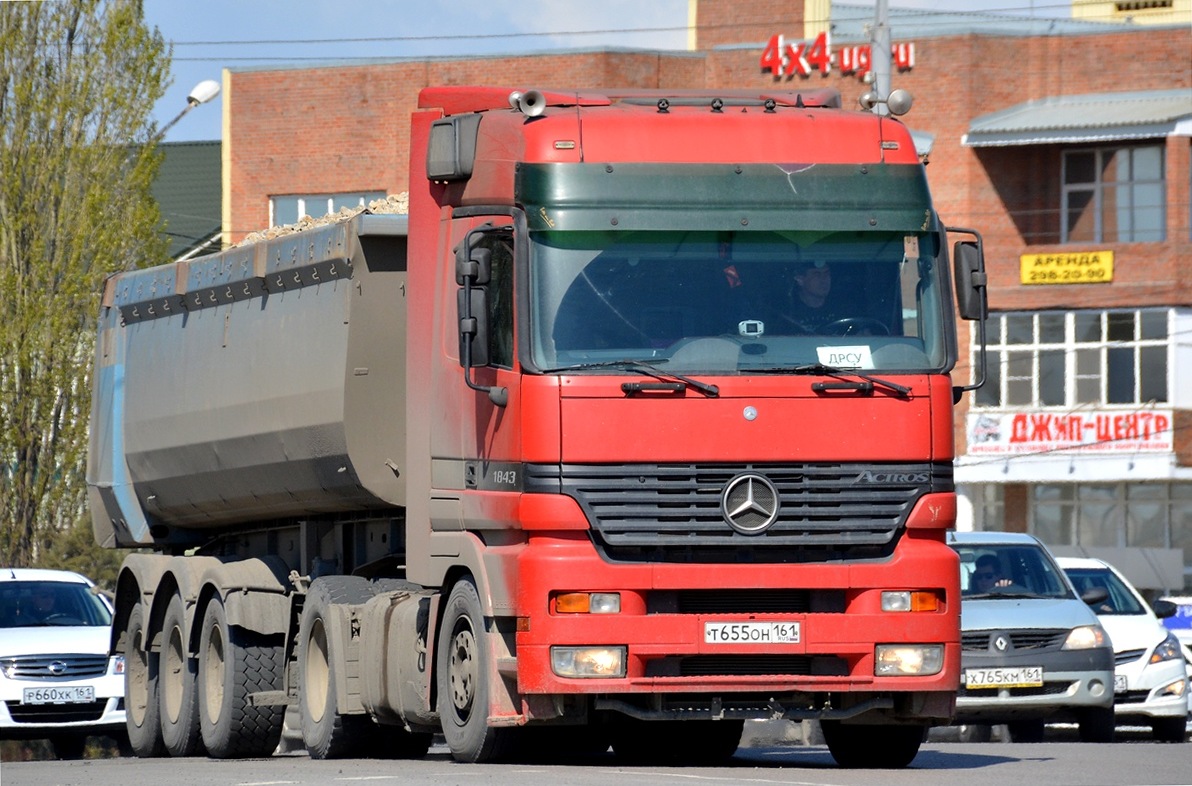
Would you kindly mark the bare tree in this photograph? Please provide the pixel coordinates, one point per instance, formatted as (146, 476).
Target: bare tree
(78, 80)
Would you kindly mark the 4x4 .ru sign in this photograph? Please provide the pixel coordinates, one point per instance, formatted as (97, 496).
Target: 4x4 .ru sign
(786, 59)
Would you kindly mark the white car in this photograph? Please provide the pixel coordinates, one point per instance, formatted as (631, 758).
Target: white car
(57, 680)
(1150, 675)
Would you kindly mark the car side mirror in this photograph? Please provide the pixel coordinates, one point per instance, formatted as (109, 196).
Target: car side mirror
(1164, 609)
(1095, 595)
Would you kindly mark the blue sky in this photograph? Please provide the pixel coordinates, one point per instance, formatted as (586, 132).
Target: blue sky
(209, 35)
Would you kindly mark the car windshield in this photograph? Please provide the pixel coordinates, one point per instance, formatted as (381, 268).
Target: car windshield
(738, 302)
(1120, 600)
(26, 604)
(1018, 570)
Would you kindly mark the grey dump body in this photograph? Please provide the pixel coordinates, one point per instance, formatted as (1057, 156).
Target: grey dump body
(264, 382)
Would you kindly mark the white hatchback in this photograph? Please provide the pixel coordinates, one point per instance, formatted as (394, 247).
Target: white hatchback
(57, 680)
(1150, 675)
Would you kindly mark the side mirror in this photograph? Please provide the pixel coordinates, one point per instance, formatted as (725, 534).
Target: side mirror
(473, 327)
(969, 264)
(1164, 609)
(474, 264)
(1095, 595)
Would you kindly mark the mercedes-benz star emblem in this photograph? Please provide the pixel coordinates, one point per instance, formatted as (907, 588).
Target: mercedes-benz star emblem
(749, 504)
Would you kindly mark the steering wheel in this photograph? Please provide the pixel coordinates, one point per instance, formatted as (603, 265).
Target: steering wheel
(855, 326)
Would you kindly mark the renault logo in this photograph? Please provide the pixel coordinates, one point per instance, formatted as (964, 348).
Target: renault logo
(1001, 643)
(749, 504)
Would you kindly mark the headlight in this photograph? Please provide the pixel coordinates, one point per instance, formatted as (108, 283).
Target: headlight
(588, 661)
(906, 660)
(1168, 649)
(1086, 637)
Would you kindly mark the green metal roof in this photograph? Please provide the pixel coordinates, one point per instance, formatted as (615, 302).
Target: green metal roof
(189, 191)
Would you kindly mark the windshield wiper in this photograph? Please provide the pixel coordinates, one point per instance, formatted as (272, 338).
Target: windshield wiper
(866, 385)
(649, 369)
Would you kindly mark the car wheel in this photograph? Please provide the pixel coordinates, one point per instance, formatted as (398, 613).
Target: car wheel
(177, 687)
(141, 710)
(234, 663)
(1097, 725)
(1026, 731)
(1170, 729)
(68, 746)
(974, 732)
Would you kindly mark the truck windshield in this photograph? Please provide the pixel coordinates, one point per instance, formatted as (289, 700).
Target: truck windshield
(738, 302)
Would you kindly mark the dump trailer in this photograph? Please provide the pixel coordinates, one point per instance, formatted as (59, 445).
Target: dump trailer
(637, 427)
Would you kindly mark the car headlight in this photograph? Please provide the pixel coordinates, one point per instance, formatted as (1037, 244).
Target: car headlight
(1168, 649)
(1086, 637)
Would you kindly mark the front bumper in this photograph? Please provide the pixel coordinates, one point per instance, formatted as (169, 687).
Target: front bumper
(104, 715)
(1073, 681)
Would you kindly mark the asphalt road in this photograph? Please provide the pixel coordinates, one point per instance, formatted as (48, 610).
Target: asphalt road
(1132, 760)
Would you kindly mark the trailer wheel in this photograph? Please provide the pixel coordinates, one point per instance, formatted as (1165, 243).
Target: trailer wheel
(872, 746)
(461, 679)
(141, 711)
(177, 689)
(234, 663)
(326, 733)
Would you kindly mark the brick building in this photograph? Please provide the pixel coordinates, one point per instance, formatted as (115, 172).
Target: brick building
(1067, 143)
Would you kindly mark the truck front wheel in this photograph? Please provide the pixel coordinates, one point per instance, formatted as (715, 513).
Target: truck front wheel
(233, 663)
(326, 733)
(141, 711)
(177, 685)
(462, 680)
(872, 746)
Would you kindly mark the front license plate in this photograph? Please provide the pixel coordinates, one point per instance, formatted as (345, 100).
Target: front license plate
(1021, 677)
(751, 633)
(74, 695)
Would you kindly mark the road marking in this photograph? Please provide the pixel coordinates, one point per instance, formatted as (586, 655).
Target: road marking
(725, 780)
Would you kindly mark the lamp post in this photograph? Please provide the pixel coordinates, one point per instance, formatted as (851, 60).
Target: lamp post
(200, 94)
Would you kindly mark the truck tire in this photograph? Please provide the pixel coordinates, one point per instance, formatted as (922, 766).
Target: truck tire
(141, 711)
(234, 663)
(461, 679)
(326, 733)
(177, 686)
(856, 746)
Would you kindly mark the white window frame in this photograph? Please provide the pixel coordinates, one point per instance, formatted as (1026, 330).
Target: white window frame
(1003, 357)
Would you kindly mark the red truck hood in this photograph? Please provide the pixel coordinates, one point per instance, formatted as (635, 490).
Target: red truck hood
(757, 419)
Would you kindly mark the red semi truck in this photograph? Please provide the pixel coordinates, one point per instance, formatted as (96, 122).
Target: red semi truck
(636, 428)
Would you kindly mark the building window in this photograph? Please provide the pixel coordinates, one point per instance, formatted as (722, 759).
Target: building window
(1072, 358)
(290, 209)
(1113, 515)
(1114, 195)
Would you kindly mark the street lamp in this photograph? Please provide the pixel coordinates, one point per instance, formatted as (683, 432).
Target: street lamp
(200, 94)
